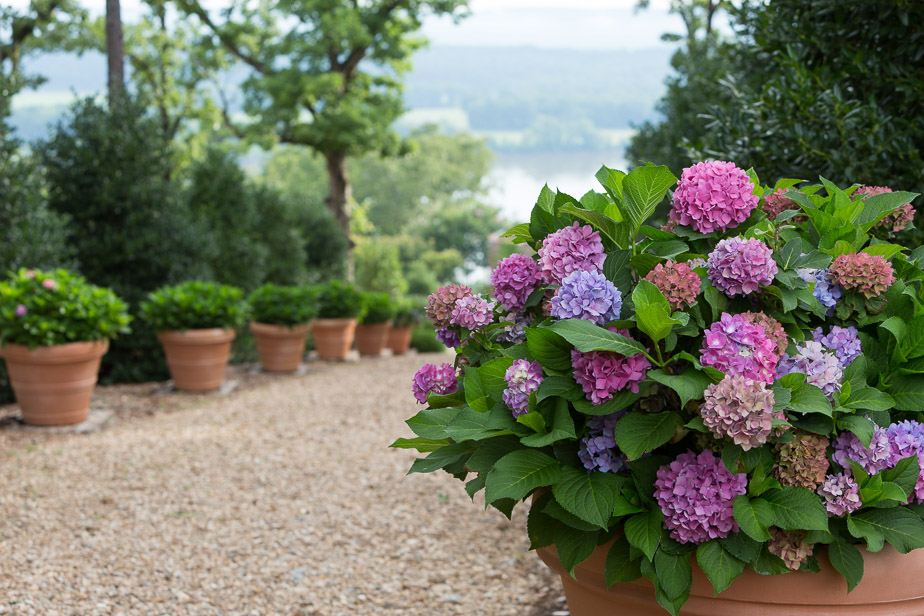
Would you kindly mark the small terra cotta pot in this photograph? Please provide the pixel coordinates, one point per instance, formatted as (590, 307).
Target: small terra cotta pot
(891, 586)
(197, 358)
(333, 337)
(53, 384)
(280, 347)
(399, 339)
(370, 339)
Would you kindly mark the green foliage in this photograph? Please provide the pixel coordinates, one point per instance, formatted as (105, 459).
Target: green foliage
(378, 268)
(278, 305)
(57, 307)
(195, 305)
(338, 300)
(377, 308)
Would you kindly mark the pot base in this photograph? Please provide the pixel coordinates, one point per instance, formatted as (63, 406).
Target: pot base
(197, 358)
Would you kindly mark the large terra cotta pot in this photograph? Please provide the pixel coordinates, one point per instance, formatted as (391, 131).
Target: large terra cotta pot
(371, 338)
(197, 358)
(281, 347)
(333, 337)
(399, 339)
(891, 586)
(53, 384)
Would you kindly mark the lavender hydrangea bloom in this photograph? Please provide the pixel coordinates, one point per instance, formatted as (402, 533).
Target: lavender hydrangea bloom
(522, 378)
(844, 341)
(736, 346)
(826, 291)
(739, 267)
(516, 333)
(906, 439)
(696, 493)
(472, 312)
(568, 250)
(598, 451)
(589, 296)
(514, 279)
(21, 310)
(873, 459)
(434, 379)
(451, 338)
(821, 369)
(841, 494)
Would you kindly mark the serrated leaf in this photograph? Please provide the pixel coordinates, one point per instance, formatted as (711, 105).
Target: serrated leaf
(847, 560)
(423, 445)
(908, 392)
(862, 427)
(754, 517)
(643, 189)
(519, 472)
(675, 576)
(795, 508)
(563, 386)
(639, 433)
(589, 496)
(900, 527)
(719, 565)
(870, 399)
(586, 337)
(573, 546)
(619, 565)
(431, 423)
(549, 349)
(810, 399)
(689, 385)
(643, 531)
(440, 458)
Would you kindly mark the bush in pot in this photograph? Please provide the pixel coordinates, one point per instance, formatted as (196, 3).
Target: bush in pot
(407, 317)
(279, 324)
(195, 322)
(696, 408)
(339, 305)
(55, 327)
(374, 323)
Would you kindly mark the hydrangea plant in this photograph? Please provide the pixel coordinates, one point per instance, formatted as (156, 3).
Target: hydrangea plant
(743, 385)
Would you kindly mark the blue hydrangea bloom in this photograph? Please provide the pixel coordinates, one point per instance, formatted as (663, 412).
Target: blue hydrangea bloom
(588, 296)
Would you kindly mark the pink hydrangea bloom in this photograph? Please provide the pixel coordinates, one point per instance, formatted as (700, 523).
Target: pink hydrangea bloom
(572, 249)
(841, 494)
(803, 461)
(49, 284)
(772, 327)
(602, 373)
(869, 274)
(790, 546)
(741, 409)
(777, 203)
(738, 267)
(713, 196)
(735, 346)
(678, 283)
(514, 279)
(696, 493)
(895, 221)
(440, 304)
(522, 378)
(434, 379)
(472, 312)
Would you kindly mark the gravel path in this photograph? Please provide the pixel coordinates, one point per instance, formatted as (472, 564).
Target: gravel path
(280, 499)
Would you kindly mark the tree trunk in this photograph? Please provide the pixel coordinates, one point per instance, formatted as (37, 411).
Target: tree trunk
(339, 198)
(115, 49)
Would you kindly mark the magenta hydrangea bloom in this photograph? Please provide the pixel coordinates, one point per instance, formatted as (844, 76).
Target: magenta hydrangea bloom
(738, 267)
(588, 296)
(873, 459)
(713, 196)
(821, 368)
(842, 341)
(841, 494)
(895, 221)
(602, 373)
(572, 249)
(441, 304)
(772, 327)
(434, 379)
(906, 439)
(449, 337)
(522, 378)
(21, 310)
(598, 450)
(696, 493)
(868, 274)
(741, 409)
(735, 346)
(677, 282)
(514, 279)
(472, 312)
(790, 546)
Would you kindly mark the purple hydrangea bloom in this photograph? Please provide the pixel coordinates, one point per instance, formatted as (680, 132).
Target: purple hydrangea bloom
(738, 267)
(589, 296)
(516, 333)
(821, 369)
(522, 378)
(21, 310)
(736, 346)
(696, 493)
(843, 341)
(906, 439)
(714, 195)
(568, 250)
(602, 373)
(472, 312)
(451, 338)
(598, 449)
(841, 494)
(514, 279)
(434, 379)
(440, 304)
(873, 459)
(826, 291)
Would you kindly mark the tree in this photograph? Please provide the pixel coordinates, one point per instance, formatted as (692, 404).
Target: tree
(115, 49)
(325, 74)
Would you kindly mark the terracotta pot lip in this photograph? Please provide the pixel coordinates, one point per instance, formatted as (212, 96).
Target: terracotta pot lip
(271, 327)
(382, 324)
(68, 350)
(197, 336)
(333, 322)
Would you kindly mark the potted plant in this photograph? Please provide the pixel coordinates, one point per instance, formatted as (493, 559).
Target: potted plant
(374, 323)
(335, 326)
(195, 322)
(695, 409)
(402, 328)
(279, 324)
(54, 329)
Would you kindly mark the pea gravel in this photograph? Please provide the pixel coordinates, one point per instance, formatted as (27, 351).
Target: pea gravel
(279, 499)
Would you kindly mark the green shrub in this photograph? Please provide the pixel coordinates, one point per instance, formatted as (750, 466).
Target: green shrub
(377, 308)
(423, 338)
(338, 300)
(58, 307)
(195, 305)
(378, 268)
(277, 305)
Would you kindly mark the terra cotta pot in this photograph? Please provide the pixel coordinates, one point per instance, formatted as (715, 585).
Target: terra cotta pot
(197, 358)
(333, 337)
(371, 338)
(280, 347)
(53, 384)
(891, 586)
(399, 339)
